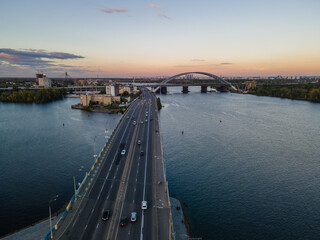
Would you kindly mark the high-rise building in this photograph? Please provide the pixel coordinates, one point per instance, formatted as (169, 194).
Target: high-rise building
(112, 90)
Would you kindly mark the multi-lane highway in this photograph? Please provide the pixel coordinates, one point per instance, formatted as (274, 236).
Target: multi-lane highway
(124, 181)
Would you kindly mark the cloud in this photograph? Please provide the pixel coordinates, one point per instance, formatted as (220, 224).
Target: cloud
(154, 6)
(226, 63)
(161, 15)
(12, 54)
(113, 10)
(33, 58)
(197, 60)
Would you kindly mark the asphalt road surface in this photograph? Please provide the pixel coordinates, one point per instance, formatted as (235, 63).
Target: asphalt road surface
(124, 181)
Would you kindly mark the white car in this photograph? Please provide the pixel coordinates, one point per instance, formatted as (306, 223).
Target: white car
(133, 217)
(123, 152)
(144, 205)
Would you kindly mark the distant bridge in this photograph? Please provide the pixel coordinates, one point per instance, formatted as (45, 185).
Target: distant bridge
(215, 77)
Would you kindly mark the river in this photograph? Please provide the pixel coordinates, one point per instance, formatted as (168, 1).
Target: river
(246, 167)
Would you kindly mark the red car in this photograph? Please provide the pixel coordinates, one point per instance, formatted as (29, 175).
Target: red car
(123, 221)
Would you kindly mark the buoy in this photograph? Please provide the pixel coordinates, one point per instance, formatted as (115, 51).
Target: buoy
(182, 132)
(220, 120)
(62, 124)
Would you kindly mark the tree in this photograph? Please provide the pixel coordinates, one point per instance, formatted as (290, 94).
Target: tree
(159, 103)
(314, 95)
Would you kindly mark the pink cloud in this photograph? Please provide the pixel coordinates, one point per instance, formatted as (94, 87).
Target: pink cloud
(113, 10)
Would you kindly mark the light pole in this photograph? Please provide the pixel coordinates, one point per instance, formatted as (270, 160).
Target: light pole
(74, 182)
(94, 147)
(51, 200)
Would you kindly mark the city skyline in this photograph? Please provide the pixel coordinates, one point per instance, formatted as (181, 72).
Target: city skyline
(154, 38)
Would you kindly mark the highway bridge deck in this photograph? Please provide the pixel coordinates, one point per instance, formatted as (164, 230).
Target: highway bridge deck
(124, 181)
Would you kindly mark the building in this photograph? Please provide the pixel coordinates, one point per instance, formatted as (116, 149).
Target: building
(43, 81)
(112, 90)
(125, 89)
(103, 99)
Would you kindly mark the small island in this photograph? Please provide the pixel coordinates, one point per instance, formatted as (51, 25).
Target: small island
(108, 101)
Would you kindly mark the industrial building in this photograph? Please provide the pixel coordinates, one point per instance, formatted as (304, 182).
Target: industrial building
(103, 99)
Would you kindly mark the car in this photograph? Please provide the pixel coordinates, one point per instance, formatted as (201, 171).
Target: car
(134, 123)
(127, 117)
(146, 120)
(139, 142)
(133, 217)
(105, 215)
(144, 205)
(141, 122)
(123, 152)
(123, 221)
(141, 153)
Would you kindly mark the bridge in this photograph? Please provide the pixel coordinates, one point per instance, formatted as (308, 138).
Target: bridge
(163, 85)
(128, 171)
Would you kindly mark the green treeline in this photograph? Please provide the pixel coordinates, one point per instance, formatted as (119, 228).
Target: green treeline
(309, 92)
(159, 103)
(34, 96)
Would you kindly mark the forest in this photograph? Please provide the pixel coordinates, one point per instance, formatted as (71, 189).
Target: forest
(309, 92)
(33, 96)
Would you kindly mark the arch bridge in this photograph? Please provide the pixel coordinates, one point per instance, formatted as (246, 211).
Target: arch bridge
(215, 77)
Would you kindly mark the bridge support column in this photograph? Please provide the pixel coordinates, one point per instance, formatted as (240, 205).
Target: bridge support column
(164, 90)
(204, 89)
(158, 91)
(185, 89)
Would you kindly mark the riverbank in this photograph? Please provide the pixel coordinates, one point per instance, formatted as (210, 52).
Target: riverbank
(308, 92)
(180, 224)
(100, 109)
(33, 232)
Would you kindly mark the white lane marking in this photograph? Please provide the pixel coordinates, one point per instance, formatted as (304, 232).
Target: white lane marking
(145, 177)
(92, 211)
(97, 226)
(85, 227)
(108, 197)
(135, 189)
(125, 130)
(142, 222)
(133, 201)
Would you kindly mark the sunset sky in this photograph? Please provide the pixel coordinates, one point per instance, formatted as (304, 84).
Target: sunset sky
(128, 38)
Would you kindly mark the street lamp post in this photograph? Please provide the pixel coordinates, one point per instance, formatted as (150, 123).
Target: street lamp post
(51, 200)
(74, 182)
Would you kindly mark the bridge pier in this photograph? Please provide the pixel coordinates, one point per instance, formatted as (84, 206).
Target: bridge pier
(185, 89)
(204, 89)
(164, 90)
(158, 91)
(222, 88)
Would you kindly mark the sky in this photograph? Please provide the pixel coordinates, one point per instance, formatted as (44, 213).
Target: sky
(142, 38)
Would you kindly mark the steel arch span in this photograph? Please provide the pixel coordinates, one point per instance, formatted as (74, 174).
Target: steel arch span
(215, 77)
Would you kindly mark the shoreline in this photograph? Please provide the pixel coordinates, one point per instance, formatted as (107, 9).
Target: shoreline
(98, 109)
(181, 226)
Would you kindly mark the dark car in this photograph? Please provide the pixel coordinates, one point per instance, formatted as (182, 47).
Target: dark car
(141, 153)
(123, 221)
(105, 215)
